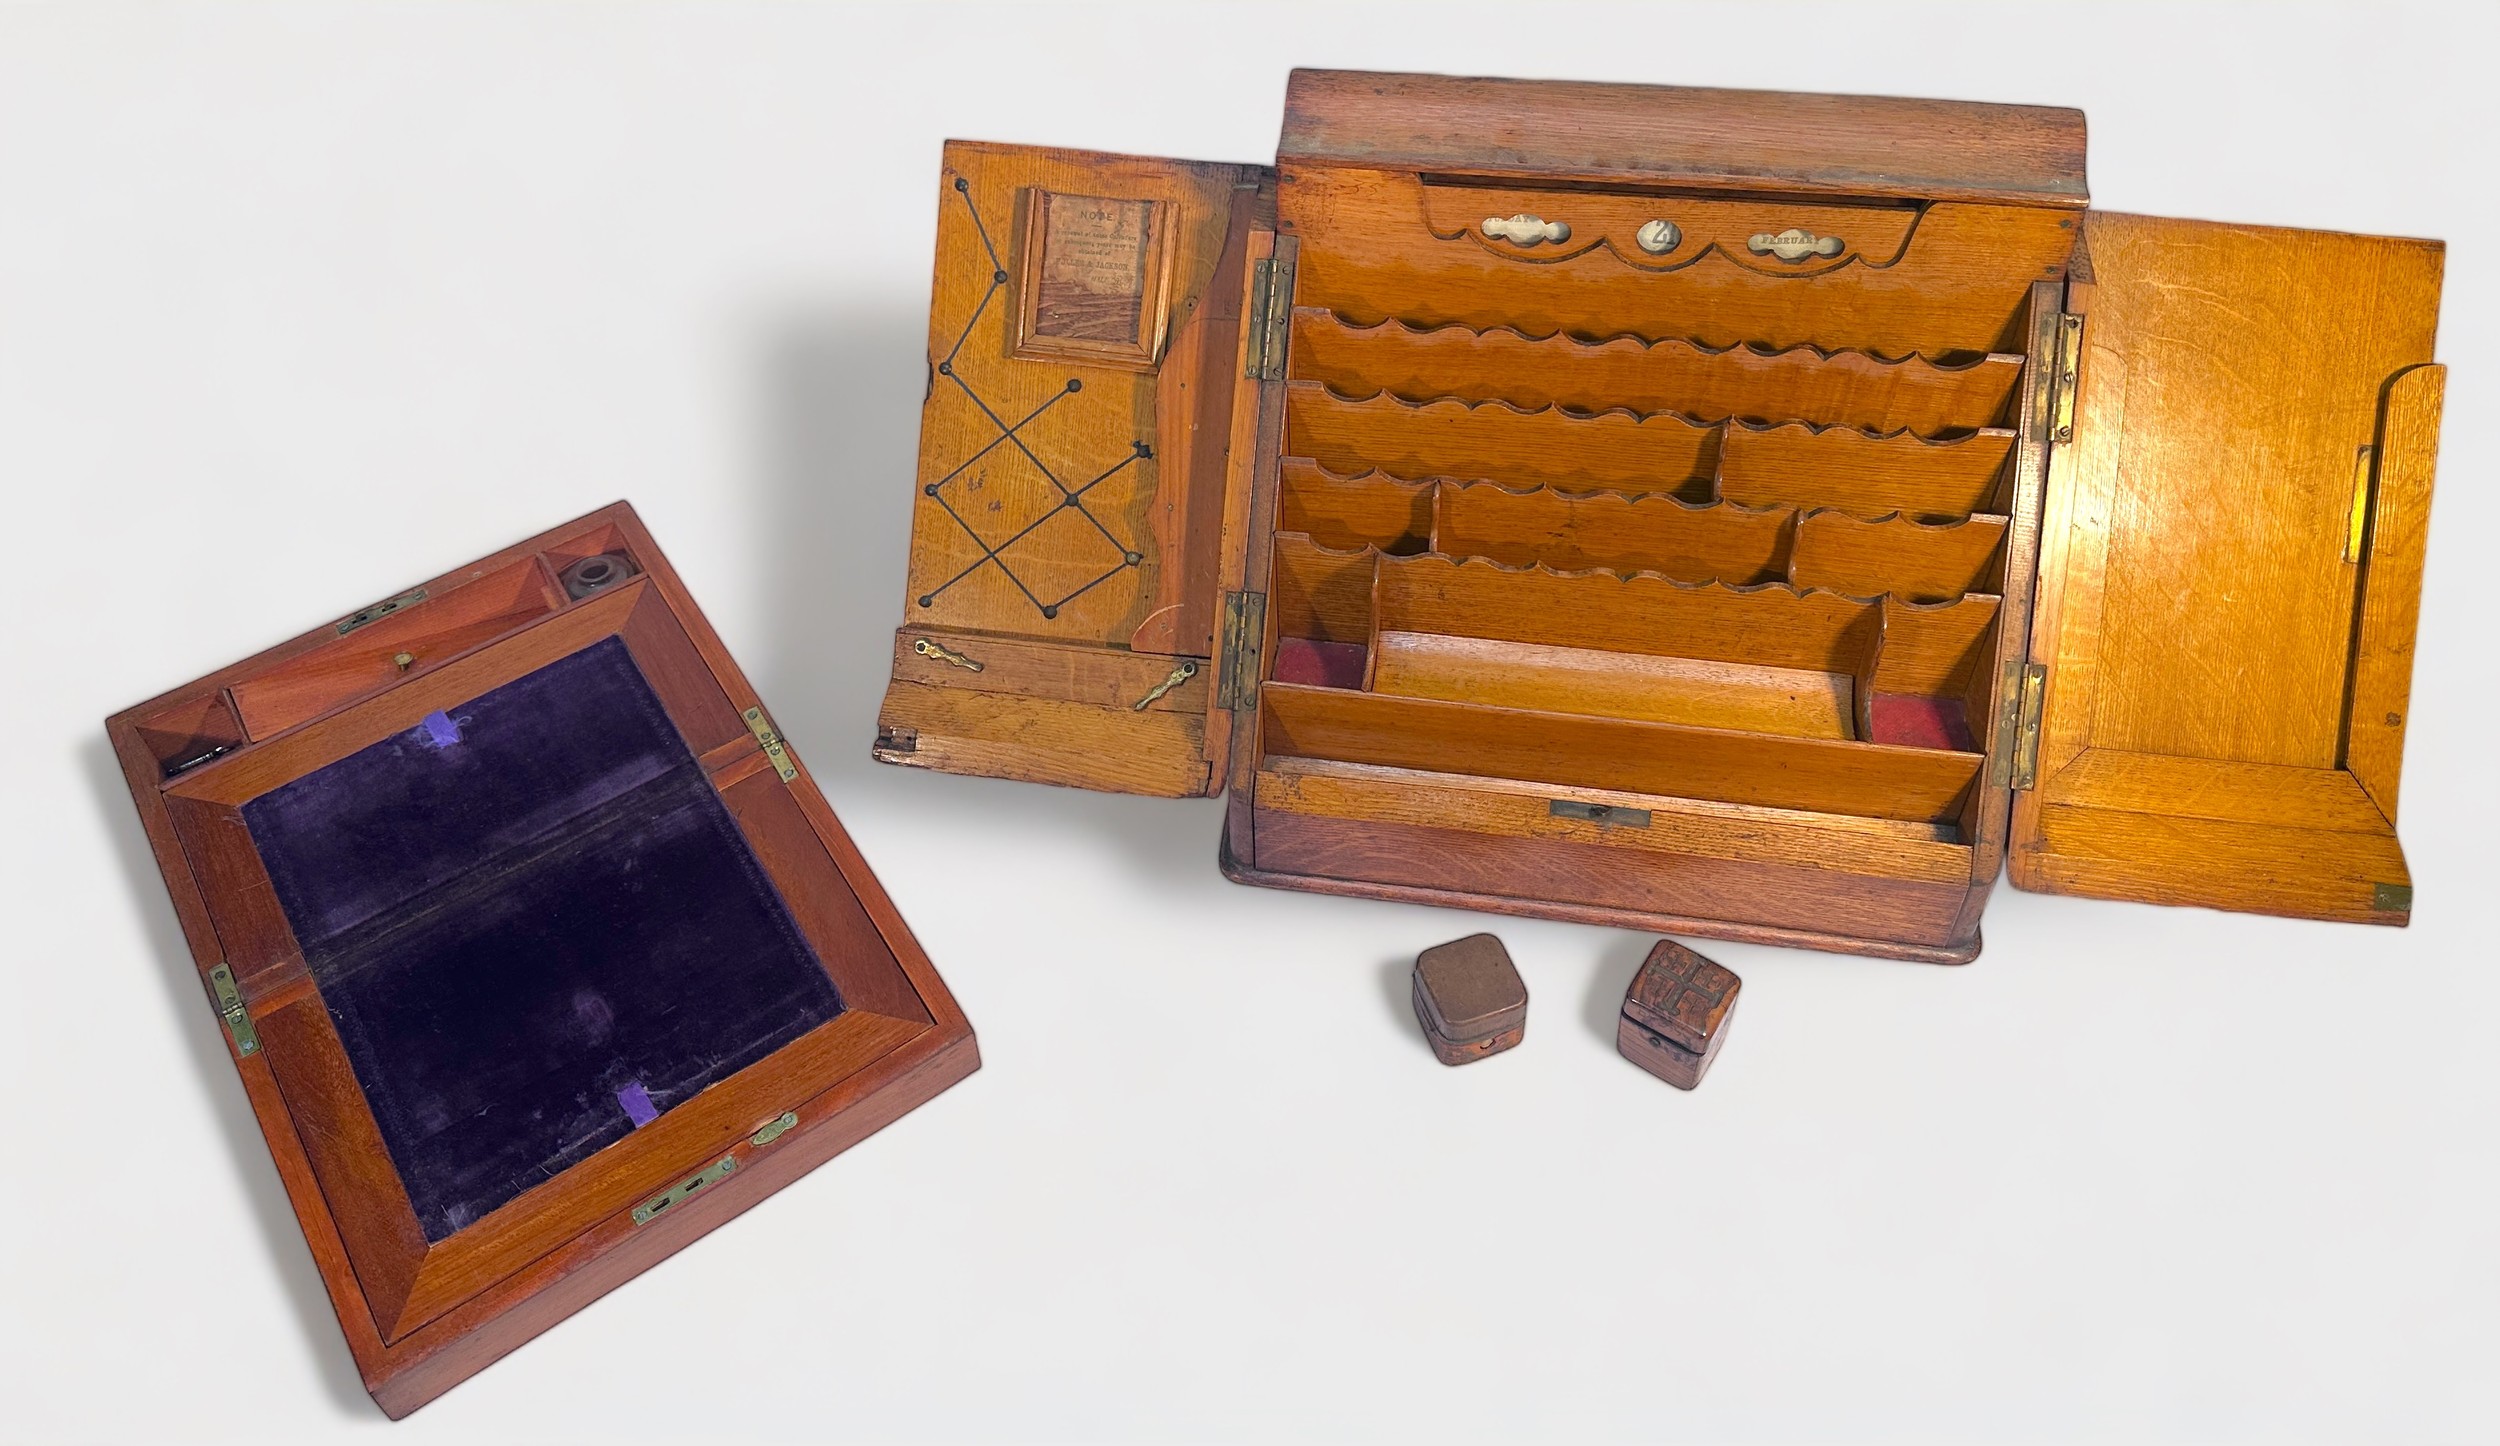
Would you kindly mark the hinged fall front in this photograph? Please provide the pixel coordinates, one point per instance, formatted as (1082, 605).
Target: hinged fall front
(528, 930)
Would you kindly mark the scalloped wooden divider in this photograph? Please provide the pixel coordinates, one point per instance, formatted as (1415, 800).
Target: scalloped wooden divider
(1843, 388)
(1912, 560)
(1657, 453)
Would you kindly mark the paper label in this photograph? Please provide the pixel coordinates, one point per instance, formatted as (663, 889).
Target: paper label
(1092, 278)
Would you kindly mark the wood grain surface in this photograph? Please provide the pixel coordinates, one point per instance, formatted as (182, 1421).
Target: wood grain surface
(1071, 494)
(1746, 140)
(2203, 616)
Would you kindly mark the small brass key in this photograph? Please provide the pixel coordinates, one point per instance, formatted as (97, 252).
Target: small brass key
(1182, 674)
(929, 648)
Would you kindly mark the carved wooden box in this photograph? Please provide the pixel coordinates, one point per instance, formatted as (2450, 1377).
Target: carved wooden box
(537, 948)
(1714, 512)
(1675, 1014)
(1469, 999)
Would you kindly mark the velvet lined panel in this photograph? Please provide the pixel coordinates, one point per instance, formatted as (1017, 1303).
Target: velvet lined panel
(536, 928)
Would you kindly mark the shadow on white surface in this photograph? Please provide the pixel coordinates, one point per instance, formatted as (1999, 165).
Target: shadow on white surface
(840, 396)
(840, 393)
(1602, 1007)
(282, 1240)
(1397, 991)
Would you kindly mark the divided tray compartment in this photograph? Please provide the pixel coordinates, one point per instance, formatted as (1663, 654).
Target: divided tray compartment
(1822, 548)
(387, 643)
(1761, 695)
(1757, 463)
(1758, 570)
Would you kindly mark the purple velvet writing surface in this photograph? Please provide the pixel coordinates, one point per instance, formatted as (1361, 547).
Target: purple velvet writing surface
(530, 935)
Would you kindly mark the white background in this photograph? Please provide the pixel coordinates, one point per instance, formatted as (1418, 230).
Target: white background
(301, 304)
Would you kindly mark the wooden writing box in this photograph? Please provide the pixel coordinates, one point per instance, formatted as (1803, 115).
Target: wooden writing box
(537, 948)
(1714, 512)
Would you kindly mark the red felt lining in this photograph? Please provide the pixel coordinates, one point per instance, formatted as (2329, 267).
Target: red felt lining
(1914, 722)
(1319, 665)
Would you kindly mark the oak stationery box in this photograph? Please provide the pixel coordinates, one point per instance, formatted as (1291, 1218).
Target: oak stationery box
(537, 948)
(1707, 512)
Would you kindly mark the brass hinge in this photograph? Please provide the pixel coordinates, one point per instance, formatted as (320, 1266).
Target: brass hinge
(2026, 755)
(1245, 628)
(2062, 380)
(230, 1009)
(381, 610)
(1271, 310)
(761, 725)
(2008, 726)
(650, 1210)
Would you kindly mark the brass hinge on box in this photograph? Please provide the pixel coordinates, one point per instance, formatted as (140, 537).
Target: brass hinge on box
(1245, 628)
(761, 725)
(238, 1020)
(2023, 767)
(2068, 366)
(380, 610)
(651, 1209)
(1271, 309)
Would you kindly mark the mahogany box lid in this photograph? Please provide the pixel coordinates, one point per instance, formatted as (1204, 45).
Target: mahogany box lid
(537, 948)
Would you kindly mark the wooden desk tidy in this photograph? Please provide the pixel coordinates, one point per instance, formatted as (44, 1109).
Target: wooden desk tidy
(1746, 515)
(538, 951)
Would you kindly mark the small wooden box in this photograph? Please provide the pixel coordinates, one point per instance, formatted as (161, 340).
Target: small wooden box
(1728, 513)
(537, 948)
(1469, 999)
(1675, 1014)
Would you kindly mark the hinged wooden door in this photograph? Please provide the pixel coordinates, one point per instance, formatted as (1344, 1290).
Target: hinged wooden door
(2230, 567)
(1085, 358)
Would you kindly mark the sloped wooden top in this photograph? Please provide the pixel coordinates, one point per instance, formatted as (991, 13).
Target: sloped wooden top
(1939, 150)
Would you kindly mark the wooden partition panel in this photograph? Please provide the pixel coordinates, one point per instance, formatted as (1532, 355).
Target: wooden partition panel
(1794, 702)
(1660, 452)
(1771, 625)
(1816, 775)
(1690, 542)
(1803, 383)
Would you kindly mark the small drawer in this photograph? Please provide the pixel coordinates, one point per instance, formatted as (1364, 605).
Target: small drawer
(1947, 281)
